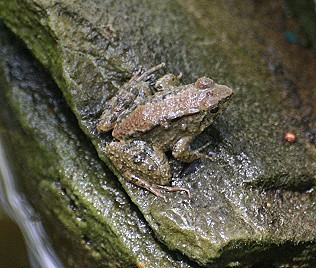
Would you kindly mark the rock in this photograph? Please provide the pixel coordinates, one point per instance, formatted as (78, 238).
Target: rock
(251, 205)
(305, 11)
(89, 215)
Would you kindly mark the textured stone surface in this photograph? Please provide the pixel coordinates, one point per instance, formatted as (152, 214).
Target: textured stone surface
(77, 194)
(305, 11)
(257, 197)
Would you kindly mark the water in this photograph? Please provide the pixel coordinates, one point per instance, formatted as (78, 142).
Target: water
(40, 252)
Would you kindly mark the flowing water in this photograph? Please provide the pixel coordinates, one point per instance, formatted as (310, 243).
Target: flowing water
(39, 249)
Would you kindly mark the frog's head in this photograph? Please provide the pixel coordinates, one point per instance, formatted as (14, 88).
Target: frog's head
(214, 98)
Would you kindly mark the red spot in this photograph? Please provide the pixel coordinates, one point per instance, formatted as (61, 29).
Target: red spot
(141, 265)
(290, 137)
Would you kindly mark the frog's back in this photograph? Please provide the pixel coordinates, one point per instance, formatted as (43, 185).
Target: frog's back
(185, 110)
(159, 110)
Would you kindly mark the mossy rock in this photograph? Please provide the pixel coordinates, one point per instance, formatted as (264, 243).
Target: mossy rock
(252, 204)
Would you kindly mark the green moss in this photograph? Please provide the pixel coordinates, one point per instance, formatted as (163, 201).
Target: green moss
(240, 200)
(77, 195)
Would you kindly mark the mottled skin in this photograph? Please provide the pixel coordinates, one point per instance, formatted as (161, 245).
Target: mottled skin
(134, 92)
(152, 124)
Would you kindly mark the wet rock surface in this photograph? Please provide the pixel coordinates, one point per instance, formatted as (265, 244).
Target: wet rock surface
(253, 203)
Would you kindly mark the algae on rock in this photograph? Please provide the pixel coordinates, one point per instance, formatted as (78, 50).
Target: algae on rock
(257, 196)
(78, 196)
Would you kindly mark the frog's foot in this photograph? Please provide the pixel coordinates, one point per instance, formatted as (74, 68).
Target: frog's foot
(203, 155)
(172, 189)
(156, 188)
(206, 156)
(181, 151)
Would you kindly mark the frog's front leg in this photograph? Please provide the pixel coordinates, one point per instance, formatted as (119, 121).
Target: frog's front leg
(142, 164)
(181, 150)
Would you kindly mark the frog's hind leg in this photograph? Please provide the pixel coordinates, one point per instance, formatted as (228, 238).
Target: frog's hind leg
(144, 184)
(155, 188)
(139, 77)
(172, 189)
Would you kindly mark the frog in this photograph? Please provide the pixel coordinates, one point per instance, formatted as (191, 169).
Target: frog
(147, 123)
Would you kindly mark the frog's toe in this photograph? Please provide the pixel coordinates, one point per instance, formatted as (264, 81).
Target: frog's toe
(156, 190)
(173, 189)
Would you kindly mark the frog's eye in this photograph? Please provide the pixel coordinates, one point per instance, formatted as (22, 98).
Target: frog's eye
(203, 83)
(214, 110)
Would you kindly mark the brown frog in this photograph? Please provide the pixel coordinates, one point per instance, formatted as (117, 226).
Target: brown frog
(146, 124)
